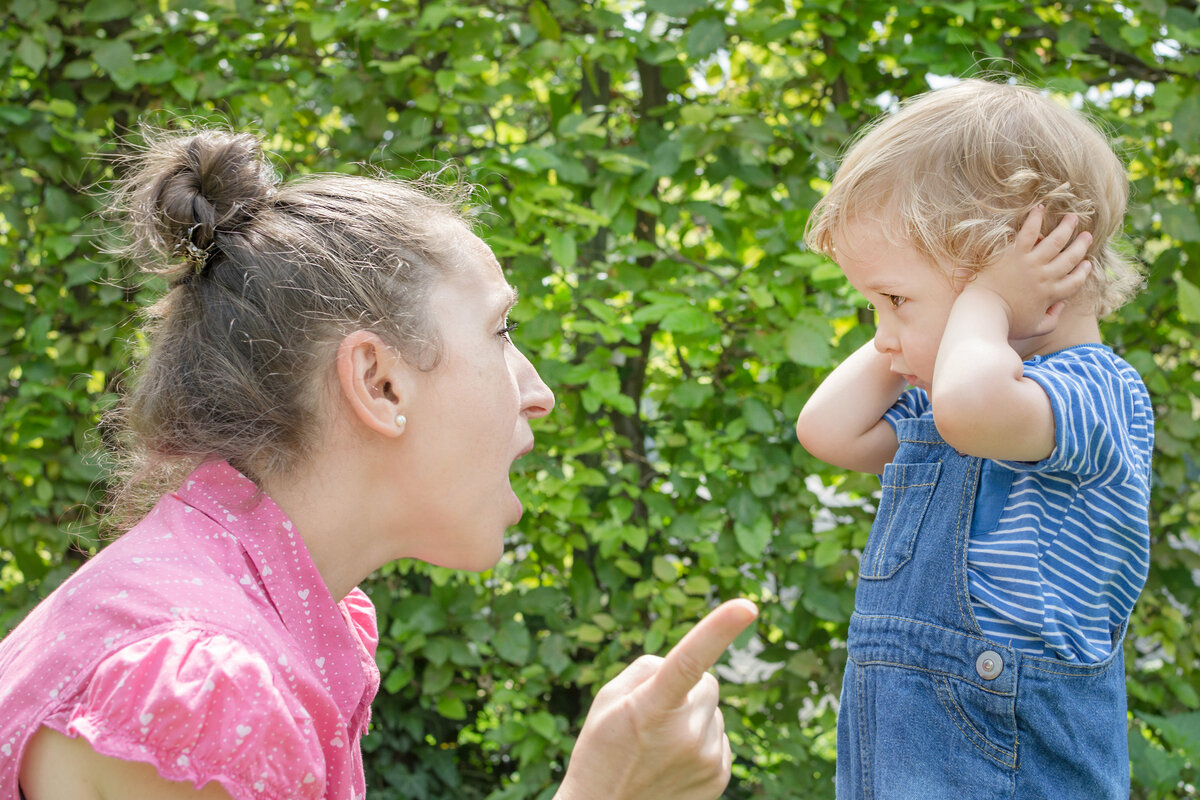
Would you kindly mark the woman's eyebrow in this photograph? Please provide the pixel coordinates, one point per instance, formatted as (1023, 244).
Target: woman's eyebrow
(510, 298)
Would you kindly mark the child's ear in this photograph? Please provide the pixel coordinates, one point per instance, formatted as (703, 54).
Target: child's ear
(373, 381)
(960, 277)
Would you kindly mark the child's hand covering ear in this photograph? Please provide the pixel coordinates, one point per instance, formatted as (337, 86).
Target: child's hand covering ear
(1036, 275)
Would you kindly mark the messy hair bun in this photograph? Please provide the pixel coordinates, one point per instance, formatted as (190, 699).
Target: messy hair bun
(265, 275)
(185, 193)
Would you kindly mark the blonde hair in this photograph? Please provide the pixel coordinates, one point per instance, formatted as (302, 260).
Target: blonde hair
(955, 172)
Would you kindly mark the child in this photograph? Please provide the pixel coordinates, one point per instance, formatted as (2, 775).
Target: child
(1011, 538)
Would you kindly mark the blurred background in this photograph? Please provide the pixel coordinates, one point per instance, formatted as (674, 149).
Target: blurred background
(646, 169)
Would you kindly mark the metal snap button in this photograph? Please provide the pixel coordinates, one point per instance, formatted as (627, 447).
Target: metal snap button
(989, 664)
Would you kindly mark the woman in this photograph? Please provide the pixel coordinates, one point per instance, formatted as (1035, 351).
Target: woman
(330, 386)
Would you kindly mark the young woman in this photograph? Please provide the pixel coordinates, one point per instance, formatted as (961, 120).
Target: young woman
(330, 386)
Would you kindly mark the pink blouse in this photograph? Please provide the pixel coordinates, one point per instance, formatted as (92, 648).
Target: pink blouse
(205, 643)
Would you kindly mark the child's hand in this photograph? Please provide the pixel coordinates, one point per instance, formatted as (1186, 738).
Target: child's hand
(1035, 276)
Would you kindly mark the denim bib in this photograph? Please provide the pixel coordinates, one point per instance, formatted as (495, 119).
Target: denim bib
(932, 709)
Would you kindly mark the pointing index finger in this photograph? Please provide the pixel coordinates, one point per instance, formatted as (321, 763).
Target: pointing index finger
(699, 650)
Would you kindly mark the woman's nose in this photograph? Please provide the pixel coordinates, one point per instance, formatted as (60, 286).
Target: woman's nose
(536, 398)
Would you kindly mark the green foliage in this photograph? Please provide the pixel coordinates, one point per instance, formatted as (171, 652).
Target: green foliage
(649, 166)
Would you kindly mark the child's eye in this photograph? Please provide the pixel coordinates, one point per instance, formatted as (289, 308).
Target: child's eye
(508, 328)
(896, 300)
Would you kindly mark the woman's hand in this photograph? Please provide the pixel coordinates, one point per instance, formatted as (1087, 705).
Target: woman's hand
(655, 731)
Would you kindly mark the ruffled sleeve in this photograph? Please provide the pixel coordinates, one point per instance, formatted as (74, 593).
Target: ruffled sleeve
(361, 612)
(202, 707)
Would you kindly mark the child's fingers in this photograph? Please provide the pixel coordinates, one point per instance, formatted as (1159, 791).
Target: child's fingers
(1074, 280)
(1030, 231)
(1073, 255)
(1057, 239)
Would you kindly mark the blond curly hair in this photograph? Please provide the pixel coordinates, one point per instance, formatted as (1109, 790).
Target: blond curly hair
(955, 172)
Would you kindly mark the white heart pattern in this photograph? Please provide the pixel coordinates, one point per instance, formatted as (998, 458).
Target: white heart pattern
(337, 742)
(243, 731)
(146, 717)
(303, 594)
(246, 580)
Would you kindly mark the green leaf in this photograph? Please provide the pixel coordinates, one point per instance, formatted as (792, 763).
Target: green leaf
(113, 56)
(745, 507)
(752, 539)
(451, 707)
(704, 37)
(108, 10)
(687, 320)
(807, 342)
(758, 417)
(676, 8)
(544, 21)
(562, 247)
(1188, 295)
(512, 642)
(436, 678)
(691, 394)
(543, 724)
(1182, 223)
(664, 570)
(827, 552)
(1185, 124)
(32, 53)
(552, 654)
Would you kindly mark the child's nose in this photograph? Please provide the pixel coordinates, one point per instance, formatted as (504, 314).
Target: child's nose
(885, 339)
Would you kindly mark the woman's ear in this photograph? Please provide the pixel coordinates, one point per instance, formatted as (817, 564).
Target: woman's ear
(373, 381)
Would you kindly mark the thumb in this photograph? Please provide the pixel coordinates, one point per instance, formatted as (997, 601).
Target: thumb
(697, 651)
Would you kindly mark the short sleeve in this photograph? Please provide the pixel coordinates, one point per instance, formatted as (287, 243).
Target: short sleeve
(201, 707)
(1098, 422)
(912, 404)
(361, 613)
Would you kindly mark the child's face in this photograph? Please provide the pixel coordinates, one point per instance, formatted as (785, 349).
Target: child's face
(912, 297)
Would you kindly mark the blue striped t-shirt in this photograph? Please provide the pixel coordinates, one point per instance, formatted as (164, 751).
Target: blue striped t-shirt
(1059, 548)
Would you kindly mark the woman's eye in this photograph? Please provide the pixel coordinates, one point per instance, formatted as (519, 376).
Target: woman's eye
(506, 331)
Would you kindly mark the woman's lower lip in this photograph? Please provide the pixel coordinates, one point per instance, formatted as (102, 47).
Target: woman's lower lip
(520, 508)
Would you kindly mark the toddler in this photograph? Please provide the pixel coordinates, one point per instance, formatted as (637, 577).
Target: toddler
(1011, 538)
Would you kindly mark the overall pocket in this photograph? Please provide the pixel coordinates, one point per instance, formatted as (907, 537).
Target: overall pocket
(907, 489)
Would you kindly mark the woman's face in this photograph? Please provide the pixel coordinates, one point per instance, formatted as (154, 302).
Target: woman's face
(468, 420)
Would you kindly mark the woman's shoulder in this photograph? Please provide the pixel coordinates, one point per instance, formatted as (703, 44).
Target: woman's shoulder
(196, 705)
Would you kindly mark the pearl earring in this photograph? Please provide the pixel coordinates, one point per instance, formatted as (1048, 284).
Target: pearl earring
(401, 421)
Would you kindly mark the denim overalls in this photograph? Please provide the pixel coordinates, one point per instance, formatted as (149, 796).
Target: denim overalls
(930, 709)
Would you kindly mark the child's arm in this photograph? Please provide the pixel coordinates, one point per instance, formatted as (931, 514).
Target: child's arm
(842, 423)
(982, 403)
